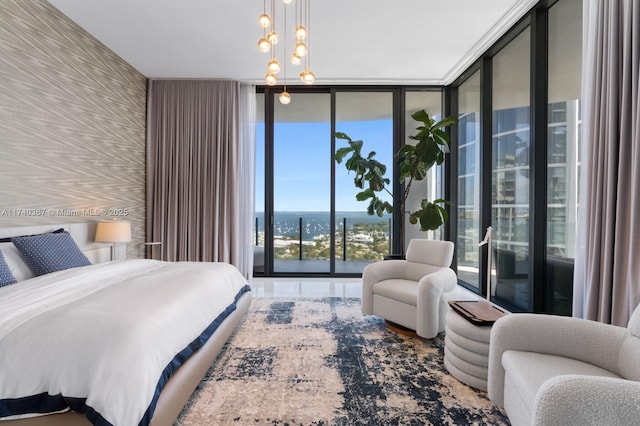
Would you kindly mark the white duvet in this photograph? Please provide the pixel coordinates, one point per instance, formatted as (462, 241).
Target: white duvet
(106, 332)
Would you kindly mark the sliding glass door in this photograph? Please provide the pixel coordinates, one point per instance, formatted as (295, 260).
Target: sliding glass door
(317, 229)
(468, 203)
(432, 186)
(308, 220)
(361, 238)
(563, 151)
(301, 226)
(517, 160)
(510, 149)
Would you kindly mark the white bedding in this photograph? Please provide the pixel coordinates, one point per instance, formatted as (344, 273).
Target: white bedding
(107, 332)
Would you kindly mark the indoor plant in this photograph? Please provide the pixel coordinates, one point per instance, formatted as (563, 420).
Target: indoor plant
(413, 162)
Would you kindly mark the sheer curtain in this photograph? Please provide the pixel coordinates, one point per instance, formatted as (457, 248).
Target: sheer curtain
(607, 269)
(200, 167)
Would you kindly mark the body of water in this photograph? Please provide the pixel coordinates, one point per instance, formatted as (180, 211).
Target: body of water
(287, 224)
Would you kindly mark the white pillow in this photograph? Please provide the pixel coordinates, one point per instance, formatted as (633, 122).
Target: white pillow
(16, 263)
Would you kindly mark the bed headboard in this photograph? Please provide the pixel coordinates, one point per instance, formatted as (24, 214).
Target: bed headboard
(83, 234)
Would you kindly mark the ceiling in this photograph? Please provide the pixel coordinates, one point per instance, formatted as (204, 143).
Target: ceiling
(352, 41)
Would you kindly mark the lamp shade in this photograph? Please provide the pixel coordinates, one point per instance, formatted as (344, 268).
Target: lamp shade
(115, 231)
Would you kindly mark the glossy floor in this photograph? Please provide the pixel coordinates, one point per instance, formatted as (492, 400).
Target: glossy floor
(306, 287)
(321, 287)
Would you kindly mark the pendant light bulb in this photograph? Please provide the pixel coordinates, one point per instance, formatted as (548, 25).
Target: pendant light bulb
(264, 20)
(270, 79)
(264, 45)
(295, 59)
(300, 49)
(287, 1)
(272, 37)
(285, 98)
(310, 78)
(307, 77)
(274, 66)
(301, 32)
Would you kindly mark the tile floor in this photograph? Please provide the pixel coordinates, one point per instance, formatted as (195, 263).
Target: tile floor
(320, 287)
(306, 287)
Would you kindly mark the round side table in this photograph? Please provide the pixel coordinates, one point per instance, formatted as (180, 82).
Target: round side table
(466, 350)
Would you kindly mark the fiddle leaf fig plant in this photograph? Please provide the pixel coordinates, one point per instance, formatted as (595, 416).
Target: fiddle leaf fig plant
(413, 162)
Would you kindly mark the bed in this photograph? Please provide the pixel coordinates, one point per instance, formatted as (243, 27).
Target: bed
(113, 343)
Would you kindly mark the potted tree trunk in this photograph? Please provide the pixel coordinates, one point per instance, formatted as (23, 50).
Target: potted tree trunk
(413, 161)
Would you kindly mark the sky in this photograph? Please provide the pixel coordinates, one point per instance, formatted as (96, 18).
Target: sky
(302, 159)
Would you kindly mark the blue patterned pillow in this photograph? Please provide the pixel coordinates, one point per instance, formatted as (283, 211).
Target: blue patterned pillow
(48, 253)
(6, 277)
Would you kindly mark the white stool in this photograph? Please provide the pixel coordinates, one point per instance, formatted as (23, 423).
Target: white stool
(466, 350)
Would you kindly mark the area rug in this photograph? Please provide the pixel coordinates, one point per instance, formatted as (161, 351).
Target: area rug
(321, 362)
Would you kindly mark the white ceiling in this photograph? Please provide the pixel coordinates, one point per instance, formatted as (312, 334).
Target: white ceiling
(352, 41)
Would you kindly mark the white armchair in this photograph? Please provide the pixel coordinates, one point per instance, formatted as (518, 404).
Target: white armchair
(551, 370)
(413, 292)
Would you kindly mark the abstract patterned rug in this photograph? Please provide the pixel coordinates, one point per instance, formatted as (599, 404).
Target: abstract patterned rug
(321, 362)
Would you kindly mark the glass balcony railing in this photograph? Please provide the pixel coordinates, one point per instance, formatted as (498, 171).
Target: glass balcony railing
(307, 237)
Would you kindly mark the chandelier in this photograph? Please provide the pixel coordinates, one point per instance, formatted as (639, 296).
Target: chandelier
(300, 55)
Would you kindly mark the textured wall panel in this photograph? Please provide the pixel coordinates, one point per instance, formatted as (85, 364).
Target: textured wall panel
(72, 124)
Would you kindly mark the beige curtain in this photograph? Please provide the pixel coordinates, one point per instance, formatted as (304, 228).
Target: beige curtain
(607, 269)
(200, 144)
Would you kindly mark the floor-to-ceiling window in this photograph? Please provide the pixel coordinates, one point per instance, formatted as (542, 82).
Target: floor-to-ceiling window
(361, 238)
(313, 222)
(510, 149)
(302, 184)
(563, 143)
(259, 228)
(432, 186)
(517, 161)
(468, 200)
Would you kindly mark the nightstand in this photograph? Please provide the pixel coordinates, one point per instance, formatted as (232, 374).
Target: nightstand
(149, 249)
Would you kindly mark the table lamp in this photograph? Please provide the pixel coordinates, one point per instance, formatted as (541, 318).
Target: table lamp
(115, 232)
